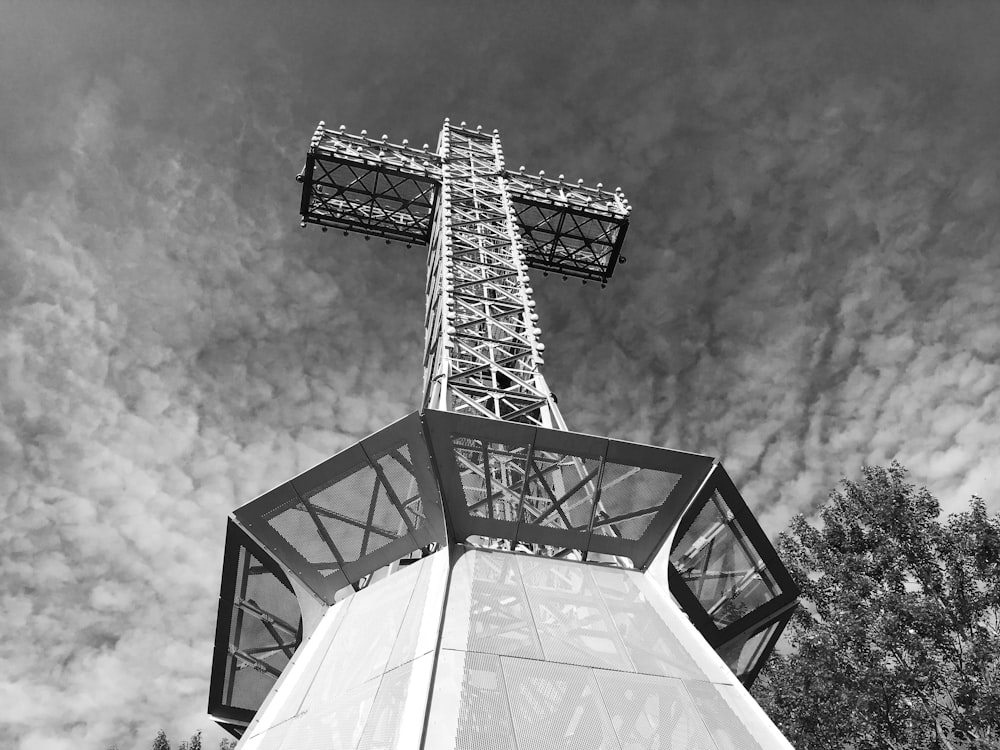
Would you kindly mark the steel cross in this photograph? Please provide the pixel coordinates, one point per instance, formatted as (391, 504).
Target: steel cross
(485, 226)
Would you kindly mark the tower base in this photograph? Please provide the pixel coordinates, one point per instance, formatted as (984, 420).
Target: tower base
(478, 649)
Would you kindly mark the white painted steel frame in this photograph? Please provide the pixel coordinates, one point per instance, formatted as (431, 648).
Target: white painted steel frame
(483, 352)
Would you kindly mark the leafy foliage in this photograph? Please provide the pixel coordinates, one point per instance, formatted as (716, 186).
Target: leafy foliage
(160, 742)
(897, 644)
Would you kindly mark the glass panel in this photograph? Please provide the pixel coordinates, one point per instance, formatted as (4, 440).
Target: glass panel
(652, 712)
(573, 623)
(720, 566)
(556, 706)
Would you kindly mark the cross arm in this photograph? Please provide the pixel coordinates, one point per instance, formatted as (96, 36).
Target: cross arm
(569, 229)
(373, 187)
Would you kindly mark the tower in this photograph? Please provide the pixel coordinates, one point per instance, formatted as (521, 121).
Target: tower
(475, 575)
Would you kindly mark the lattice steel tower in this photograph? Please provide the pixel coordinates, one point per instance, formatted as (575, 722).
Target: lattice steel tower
(474, 575)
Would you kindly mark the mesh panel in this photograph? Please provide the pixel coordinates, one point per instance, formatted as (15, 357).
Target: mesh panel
(628, 490)
(492, 476)
(397, 468)
(723, 724)
(263, 633)
(295, 525)
(246, 687)
(487, 607)
(556, 706)
(292, 694)
(470, 709)
(470, 457)
(417, 612)
(737, 722)
(365, 640)
(652, 712)
(337, 701)
(573, 624)
(270, 737)
(384, 726)
(335, 715)
(652, 646)
(720, 565)
(557, 494)
(358, 514)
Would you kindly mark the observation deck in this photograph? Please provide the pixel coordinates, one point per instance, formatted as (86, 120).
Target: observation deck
(439, 480)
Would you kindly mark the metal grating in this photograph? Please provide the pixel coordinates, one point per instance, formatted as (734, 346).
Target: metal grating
(396, 470)
(556, 706)
(652, 712)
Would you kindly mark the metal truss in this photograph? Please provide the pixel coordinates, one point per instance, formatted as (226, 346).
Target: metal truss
(483, 352)
(257, 631)
(389, 190)
(485, 226)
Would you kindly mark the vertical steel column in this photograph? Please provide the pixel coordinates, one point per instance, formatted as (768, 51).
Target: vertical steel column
(483, 353)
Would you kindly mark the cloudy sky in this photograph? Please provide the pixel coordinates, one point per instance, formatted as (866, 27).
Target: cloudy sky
(814, 261)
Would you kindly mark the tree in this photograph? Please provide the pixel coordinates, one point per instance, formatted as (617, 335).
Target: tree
(897, 641)
(160, 742)
(192, 744)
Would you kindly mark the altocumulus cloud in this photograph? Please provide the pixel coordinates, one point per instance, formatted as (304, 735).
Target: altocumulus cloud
(811, 285)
